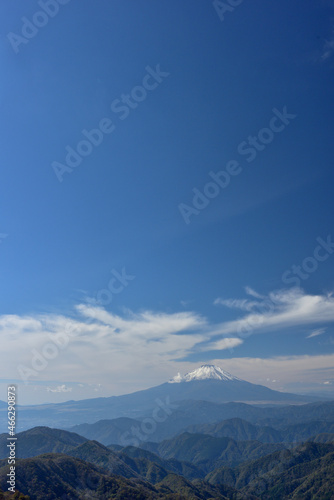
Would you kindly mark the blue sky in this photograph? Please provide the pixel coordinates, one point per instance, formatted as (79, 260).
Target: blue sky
(105, 247)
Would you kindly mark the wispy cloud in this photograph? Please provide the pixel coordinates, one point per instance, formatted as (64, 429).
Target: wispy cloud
(328, 49)
(161, 333)
(253, 293)
(56, 347)
(146, 323)
(242, 304)
(316, 333)
(280, 309)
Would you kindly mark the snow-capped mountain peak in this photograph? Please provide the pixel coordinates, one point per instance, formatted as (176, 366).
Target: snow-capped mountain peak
(205, 372)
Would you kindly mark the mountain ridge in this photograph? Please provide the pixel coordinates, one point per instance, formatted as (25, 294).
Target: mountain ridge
(208, 383)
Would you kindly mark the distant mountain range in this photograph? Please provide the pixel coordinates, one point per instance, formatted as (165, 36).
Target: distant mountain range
(207, 452)
(194, 437)
(208, 383)
(120, 431)
(307, 471)
(90, 470)
(240, 430)
(189, 466)
(55, 477)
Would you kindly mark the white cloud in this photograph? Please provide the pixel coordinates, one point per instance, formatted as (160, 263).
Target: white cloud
(242, 304)
(250, 291)
(225, 343)
(145, 324)
(97, 345)
(60, 388)
(137, 350)
(280, 309)
(316, 333)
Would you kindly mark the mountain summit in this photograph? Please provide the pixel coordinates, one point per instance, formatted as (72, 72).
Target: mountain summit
(204, 372)
(207, 384)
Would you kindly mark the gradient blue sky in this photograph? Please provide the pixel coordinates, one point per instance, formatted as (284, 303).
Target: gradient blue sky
(60, 241)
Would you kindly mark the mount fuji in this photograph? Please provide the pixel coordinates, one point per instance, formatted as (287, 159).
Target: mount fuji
(206, 385)
(205, 372)
(212, 383)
